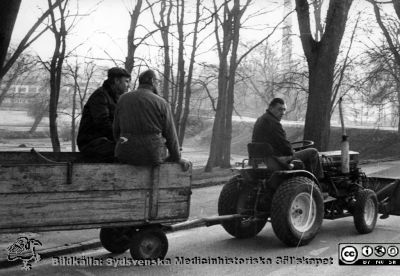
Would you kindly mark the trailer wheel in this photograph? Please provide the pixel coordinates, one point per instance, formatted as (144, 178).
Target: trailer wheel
(149, 244)
(365, 211)
(114, 239)
(238, 198)
(296, 216)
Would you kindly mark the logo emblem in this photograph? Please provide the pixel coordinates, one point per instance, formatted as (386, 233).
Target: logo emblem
(380, 250)
(392, 251)
(24, 249)
(349, 254)
(367, 251)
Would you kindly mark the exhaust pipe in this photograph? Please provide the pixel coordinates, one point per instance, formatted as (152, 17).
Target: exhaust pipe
(345, 147)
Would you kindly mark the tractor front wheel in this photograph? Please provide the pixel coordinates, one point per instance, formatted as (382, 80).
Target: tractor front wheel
(365, 211)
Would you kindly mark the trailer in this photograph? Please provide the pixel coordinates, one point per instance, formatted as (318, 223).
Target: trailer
(132, 205)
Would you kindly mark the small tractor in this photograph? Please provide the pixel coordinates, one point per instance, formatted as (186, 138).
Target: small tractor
(296, 202)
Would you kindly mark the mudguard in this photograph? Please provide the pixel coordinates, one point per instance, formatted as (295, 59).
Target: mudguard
(277, 177)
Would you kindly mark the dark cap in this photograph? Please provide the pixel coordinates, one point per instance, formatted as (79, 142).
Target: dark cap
(147, 77)
(117, 72)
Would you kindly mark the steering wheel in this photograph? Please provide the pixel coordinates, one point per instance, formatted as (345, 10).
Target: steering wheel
(302, 144)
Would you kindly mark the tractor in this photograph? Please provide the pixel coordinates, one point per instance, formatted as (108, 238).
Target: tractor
(293, 199)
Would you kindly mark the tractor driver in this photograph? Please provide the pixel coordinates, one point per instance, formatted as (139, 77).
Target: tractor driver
(268, 129)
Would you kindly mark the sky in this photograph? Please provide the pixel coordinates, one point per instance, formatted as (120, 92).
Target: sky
(102, 32)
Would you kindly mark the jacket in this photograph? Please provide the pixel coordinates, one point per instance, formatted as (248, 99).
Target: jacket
(97, 116)
(268, 129)
(143, 124)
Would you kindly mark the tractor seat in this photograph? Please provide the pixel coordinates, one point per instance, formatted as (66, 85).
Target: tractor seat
(262, 153)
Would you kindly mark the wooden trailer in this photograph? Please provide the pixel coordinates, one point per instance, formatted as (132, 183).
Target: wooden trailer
(64, 191)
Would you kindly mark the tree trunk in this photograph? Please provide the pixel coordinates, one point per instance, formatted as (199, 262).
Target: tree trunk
(222, 128)
(73, 120)
(188, 91)
(56, 72)
(130, 58)
(8, 14)
(317, 127)
(321, 58)
(227, 139)
(164, 26)
(36, 122)
(181, 67)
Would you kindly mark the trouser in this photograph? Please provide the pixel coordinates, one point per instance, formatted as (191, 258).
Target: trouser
(140, 150)
(101, 149)
(311, 160)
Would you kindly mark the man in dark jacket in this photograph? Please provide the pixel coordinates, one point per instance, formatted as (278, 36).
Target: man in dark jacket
(95, 136)
(268, 129)
(143, 125)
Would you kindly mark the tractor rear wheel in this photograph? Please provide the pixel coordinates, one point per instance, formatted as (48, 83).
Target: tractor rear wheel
(365, 211)
(238, 198)
(297, 211)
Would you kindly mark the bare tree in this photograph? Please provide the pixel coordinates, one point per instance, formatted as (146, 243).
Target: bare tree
(59, 29)
(21, 67)
(177, 74)
(132, 46)
(228, 44)
(164, 25)
(339, 88)
(29, 38)
(81, 75)
(384, 77)
(188, 89)
(265, 75)
(321, 58)
(227, 47)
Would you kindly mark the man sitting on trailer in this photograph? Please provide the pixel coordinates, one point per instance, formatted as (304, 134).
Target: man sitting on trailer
(144, 125)
(95, 136)
(268, 129)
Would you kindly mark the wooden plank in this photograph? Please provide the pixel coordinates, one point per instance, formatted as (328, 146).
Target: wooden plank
(18, 210)
(85, 177)
(173, 210)
(171, 175)
(78, 208)
(174, 194)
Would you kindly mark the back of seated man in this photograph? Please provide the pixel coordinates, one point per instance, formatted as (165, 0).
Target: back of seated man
(144, 125)
(268, 129)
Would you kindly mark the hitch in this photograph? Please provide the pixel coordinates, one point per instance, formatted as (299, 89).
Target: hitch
(208, 221)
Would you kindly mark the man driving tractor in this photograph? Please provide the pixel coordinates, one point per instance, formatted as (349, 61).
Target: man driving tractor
(268, 129)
